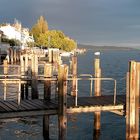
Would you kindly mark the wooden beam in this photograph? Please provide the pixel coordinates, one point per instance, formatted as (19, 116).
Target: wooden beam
(28, 113)
(82, 109)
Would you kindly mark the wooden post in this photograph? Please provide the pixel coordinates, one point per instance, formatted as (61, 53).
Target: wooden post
(47, 83)
(132, 101)
(5, 64)
(12, 55)
(62, 100)
(34, 82)
(0, 56)
(26, 72)
(97, 92)
(46, 127)
(22, 65)
(74, 75)
(47, 96)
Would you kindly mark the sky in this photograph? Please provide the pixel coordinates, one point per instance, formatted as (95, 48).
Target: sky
(93, 22)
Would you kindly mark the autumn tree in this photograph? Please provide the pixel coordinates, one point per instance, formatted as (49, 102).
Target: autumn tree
(51, 38)
(56, 39)
(40, 27)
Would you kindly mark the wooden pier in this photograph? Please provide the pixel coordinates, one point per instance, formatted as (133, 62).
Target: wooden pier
(62, 102)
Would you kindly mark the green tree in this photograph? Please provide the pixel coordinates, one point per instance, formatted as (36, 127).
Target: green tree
(56, 39)
(12, 42)
(40, 27)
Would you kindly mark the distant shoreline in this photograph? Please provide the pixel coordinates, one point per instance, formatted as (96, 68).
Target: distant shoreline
(104, 48)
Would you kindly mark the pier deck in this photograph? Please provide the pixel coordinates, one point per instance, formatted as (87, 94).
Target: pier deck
(10, 109)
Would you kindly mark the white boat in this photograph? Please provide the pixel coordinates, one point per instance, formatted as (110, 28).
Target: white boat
(65, 54)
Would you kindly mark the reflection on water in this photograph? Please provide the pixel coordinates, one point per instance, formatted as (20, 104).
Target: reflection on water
(80, 126)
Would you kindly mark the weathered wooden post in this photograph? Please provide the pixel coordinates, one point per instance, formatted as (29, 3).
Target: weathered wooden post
(5, 65)
(22, 69)
(47, 83)
(47, 96)
(34, 81)
(132, 101)
(62, 100)
(26, 72)
(12, 55)
(50, 55)
(74, 76)
(0, 56)
(97, 92)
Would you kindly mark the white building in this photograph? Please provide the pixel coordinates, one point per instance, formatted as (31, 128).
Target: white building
(17, 32)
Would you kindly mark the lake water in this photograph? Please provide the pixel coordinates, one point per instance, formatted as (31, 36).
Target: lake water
(114, 64)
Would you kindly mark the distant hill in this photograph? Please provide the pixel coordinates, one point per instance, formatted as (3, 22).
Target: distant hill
(103, 48)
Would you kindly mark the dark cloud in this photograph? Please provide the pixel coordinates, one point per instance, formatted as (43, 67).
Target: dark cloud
(90, 21)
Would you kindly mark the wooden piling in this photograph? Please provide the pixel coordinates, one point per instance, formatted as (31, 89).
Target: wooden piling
(0, 57)
(27, 74)
(74, 76)
(46, 127)
(47, 83)
(62, 100)
(5, 64)
(22, 69)
(97, 92)
(132, 101)
(12, 55)
(47, 96)
(34, 81)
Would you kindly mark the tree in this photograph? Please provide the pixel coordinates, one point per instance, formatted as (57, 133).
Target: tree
(40, 27)
(51, 38)
(56, 39)
(12, 42)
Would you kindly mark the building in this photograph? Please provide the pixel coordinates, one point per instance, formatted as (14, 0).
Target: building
(17, 32)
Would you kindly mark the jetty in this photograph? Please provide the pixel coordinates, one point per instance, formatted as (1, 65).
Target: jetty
(24, 70)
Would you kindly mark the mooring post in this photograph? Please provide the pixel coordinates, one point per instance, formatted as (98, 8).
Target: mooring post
(62, 101)
(132, 101)
(5, 64)
(22, 69)
(47, 83)
(47, 96)
(97, 92)
(26, 72)
(12, 55)
(34, 81)
(74, 76)
(46, 127)
(0, 56)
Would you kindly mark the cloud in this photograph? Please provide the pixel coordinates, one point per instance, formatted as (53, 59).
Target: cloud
(135, 26)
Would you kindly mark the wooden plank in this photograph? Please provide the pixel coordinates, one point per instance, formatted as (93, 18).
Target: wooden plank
(28, 113)
(94, 109)
(2, 104)
(2, 109)
(9, 105)
(34, 103)
(26, 106)
(14, 103)
(31, 107)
